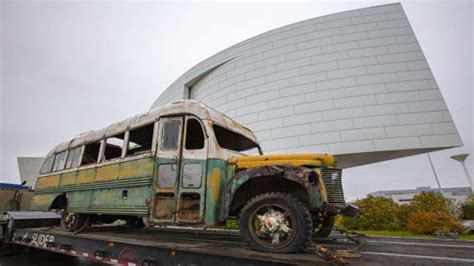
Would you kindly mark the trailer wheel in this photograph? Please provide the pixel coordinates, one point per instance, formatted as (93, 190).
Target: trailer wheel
(12, 205)
(324, 228)
(276, 222)
(74, 222)
(135, 222)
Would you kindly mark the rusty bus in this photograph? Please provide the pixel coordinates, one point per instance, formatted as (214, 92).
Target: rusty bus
(184, 164)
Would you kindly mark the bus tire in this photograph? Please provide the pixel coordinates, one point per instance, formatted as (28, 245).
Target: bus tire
(268, 217)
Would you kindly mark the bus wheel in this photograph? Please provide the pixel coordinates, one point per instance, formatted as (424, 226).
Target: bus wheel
(324, 228)
(276, 222)
(74, 222)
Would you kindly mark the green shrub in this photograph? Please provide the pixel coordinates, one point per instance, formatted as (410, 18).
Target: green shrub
(403, 214)
(467, 209)
(376, 213)
(232, 224)
(430, 212)
(429, 202)
(430, 222)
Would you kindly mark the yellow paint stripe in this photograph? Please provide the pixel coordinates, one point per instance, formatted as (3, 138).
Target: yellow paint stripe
(293, 159)
(48, 182)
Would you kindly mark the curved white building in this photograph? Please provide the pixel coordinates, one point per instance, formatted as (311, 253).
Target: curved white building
(355, 84)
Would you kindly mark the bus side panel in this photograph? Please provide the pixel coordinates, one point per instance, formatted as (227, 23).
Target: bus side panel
(121, 188)
(42, 202)
(215, 185)
(137, 168)
(47, 182)
(78, 200)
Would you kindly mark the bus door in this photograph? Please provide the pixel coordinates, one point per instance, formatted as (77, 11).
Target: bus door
(168, 168)
(193, 169)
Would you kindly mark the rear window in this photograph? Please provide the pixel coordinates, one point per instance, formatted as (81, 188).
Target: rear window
(230, 140)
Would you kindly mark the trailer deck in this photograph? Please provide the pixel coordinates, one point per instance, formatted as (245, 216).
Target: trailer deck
(126, 246)
(123, 245)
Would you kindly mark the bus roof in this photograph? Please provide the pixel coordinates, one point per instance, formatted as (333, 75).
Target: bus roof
(192, 107)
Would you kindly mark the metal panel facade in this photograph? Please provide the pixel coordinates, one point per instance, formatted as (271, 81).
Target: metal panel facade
(353, 84)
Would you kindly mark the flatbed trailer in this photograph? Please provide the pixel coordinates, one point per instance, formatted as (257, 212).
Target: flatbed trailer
(123, 245)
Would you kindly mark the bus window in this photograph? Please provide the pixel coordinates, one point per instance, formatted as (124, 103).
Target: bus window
(73, 158)
(232, 141)
(59, 160)
(46, 167)
(194, 135)
(113, 147)
(91, 153)
(140, 140)
(170, 136)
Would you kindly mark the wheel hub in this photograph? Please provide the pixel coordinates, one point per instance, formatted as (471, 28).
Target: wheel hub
(275, 224)
(69, 220)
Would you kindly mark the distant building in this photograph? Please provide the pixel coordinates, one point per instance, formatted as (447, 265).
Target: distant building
(29, 169)
(405, 196)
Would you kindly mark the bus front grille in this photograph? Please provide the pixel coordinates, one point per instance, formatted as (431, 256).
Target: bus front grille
(332, 181)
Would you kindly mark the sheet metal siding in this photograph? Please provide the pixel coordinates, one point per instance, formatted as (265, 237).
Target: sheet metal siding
(120, 188)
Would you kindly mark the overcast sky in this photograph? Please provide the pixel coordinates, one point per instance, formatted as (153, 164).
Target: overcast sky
(68, 67)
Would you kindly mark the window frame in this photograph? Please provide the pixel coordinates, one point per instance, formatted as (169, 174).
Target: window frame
(124, 146)
(50, 165)
(59, 168)
(84, 151)
(80, 157)
(152, 149)
(180, 133)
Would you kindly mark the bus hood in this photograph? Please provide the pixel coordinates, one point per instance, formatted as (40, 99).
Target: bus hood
(309, 159)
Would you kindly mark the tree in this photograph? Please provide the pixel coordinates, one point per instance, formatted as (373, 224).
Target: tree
(430, 212)
(429, 202)
(403, 215)
(431, 222)
(467, 209)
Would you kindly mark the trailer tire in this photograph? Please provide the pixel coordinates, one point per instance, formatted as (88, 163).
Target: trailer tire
(11, 205)
(277, 205)
(74, 222)
(135, 222)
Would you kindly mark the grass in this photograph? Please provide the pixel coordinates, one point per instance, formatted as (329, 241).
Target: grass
(405, 234)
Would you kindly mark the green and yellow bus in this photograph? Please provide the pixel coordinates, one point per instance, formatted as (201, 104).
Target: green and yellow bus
(187, 164)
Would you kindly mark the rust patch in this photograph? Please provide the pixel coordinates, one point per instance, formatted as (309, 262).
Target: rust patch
(216, 182)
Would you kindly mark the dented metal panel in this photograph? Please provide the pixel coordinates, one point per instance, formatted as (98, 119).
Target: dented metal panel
(293, 173)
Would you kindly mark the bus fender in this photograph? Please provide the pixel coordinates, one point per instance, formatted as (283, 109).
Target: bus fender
(298, 174)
